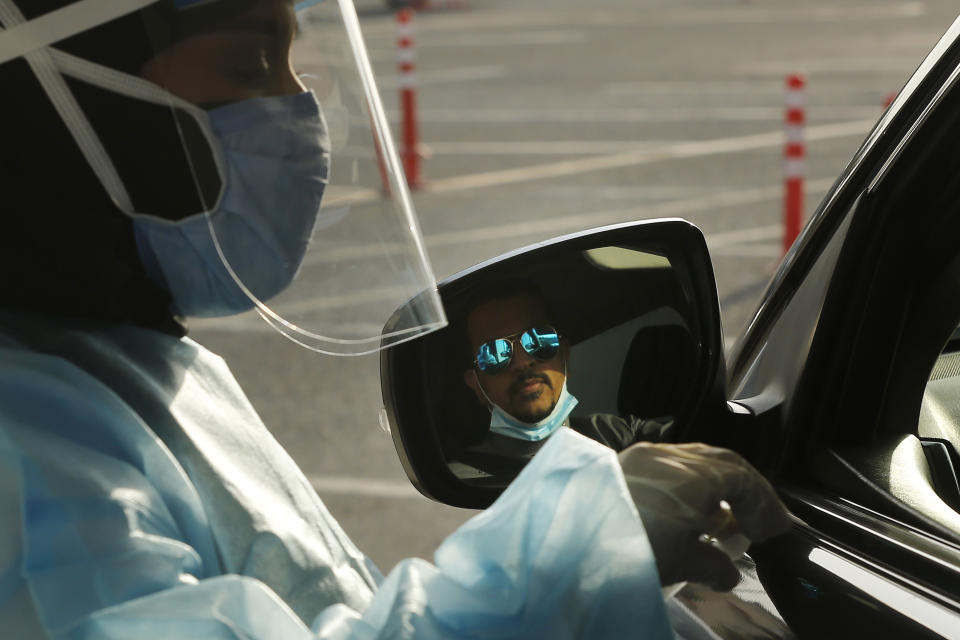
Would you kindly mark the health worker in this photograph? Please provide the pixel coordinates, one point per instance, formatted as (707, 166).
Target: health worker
(165, 159)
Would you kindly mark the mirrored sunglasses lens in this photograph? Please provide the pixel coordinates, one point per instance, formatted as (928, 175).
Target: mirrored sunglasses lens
(541, 342)
(494, 356)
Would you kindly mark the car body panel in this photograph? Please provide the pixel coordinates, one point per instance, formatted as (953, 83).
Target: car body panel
(835, 353)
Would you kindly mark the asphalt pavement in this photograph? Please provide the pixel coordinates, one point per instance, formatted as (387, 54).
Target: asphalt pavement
(543, 117)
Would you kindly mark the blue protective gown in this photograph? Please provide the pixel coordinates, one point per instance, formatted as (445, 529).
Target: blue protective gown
(142, 497)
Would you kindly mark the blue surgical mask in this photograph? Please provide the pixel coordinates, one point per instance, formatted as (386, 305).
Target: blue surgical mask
(506, 425)
(275, 152)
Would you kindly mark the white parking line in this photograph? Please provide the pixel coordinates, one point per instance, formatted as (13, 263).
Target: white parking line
(717, 146)
(563, 224)
(897, 66)
(446, 76)
(365, 487)
(540, 147)
(632, 114)
(763, 252)
(723, 87)
(495, 39)
(752, 234)
(499, 21)
(635, 157)
(505, 39)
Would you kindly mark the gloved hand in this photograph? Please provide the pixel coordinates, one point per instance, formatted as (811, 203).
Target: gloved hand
(678, 490)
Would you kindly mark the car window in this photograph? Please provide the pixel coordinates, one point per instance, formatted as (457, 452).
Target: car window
(777, 366)
(830, 211)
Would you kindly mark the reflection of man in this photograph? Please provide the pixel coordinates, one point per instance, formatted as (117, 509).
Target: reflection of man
(519, 372)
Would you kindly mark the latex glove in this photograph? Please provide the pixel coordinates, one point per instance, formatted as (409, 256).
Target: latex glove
(678, 490)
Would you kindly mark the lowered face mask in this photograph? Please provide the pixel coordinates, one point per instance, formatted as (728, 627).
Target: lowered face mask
(275, 152)
(505, 424)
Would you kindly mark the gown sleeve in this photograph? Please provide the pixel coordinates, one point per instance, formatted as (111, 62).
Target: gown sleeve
(106, 538)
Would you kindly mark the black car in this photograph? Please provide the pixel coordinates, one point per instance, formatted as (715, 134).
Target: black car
(844, 388)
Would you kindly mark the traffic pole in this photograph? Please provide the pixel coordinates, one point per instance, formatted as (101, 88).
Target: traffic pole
(410, 154)
(794, 153)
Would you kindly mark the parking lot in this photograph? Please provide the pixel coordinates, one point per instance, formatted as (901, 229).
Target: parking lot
(543, 117)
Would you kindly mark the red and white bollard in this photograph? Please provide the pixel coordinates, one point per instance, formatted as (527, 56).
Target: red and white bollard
(794, 153)
(410, 153)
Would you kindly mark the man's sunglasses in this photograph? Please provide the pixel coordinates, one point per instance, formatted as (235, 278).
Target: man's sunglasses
(541, 342)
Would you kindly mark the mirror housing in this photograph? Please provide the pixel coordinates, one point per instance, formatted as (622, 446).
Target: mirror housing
(599, 282)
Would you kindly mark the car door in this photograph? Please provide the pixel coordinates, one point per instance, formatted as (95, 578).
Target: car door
(832, 383)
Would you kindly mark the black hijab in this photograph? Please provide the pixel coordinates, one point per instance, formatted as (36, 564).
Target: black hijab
(65, 247)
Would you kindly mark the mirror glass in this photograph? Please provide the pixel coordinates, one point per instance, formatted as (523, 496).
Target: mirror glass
(604, 340)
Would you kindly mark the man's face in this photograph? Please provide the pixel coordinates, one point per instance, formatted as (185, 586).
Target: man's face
(247, 56)
(528, 388)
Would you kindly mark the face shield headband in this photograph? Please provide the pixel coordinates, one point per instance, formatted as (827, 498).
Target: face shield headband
(322, 299)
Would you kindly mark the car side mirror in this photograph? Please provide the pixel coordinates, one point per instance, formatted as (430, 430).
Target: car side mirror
(640, 347)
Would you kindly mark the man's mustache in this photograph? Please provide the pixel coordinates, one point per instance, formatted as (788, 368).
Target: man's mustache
(524, 379)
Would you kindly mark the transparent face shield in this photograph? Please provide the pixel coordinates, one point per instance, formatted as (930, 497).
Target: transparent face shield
(272, 181)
